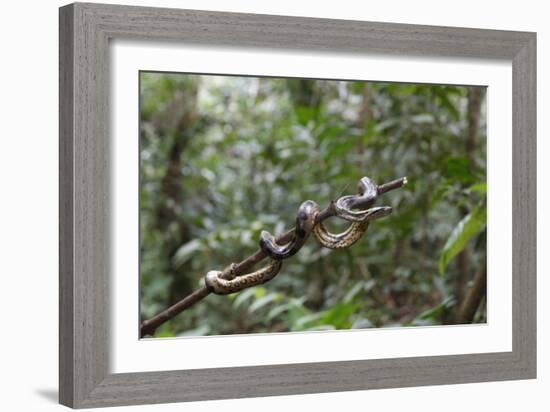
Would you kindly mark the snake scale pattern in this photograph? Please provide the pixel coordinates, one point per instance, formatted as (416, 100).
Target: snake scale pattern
(305, 221)
(367, 193)
(220, 286)
(352, 234)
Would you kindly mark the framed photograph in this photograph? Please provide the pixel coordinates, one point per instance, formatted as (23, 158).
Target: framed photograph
(256, 205)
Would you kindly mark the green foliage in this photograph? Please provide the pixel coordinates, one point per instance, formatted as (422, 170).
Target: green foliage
(222, 158)
(458, 169)
(471, 225)
(433, 315)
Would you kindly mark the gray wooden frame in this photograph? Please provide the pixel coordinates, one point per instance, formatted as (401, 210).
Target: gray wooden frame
(85, 31)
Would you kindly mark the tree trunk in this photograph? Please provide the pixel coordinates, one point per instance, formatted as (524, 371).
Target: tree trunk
(475, 97)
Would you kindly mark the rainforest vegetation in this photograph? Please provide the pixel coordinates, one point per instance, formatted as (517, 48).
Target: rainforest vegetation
(223, 158)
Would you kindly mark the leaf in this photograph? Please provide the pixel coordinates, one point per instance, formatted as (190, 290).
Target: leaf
(330, 132)
(277, 310)
(480, 188)
(458, 169)
(437, 311)
(305, 114)
(294, 306)
(164, 334)
(200, 331)
(306, 321)
(341, 146)
(260, 303)
(186, 251)
(422, 118)
(243, 296)
(440, 193)
(353, 291)
(338, 315)
(385, 124)
(466, 229)
(321, 327)
(446, 102)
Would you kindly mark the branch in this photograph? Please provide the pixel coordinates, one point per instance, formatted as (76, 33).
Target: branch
(473, 298)
(149, 326)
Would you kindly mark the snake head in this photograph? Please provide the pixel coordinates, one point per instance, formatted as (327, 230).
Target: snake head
(377, 212)
(367, 192)
(367, 189)
(305, 219)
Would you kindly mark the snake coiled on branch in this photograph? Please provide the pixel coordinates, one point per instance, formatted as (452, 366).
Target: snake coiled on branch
(215, 281)
(305, 221)
(226, 282)
(367, 192)
(352, 234)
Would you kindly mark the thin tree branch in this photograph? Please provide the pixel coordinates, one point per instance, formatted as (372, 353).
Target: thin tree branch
(474, 295)
(149, 326)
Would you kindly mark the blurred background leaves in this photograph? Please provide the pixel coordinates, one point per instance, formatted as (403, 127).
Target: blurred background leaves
(222, 158)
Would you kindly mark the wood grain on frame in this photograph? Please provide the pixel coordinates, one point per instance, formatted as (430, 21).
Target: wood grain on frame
(85, 31)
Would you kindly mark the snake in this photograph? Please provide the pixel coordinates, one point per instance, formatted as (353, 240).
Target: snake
(215, 282)
(367, 194)
(226, 282)
(305, 222)
(353, 233)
